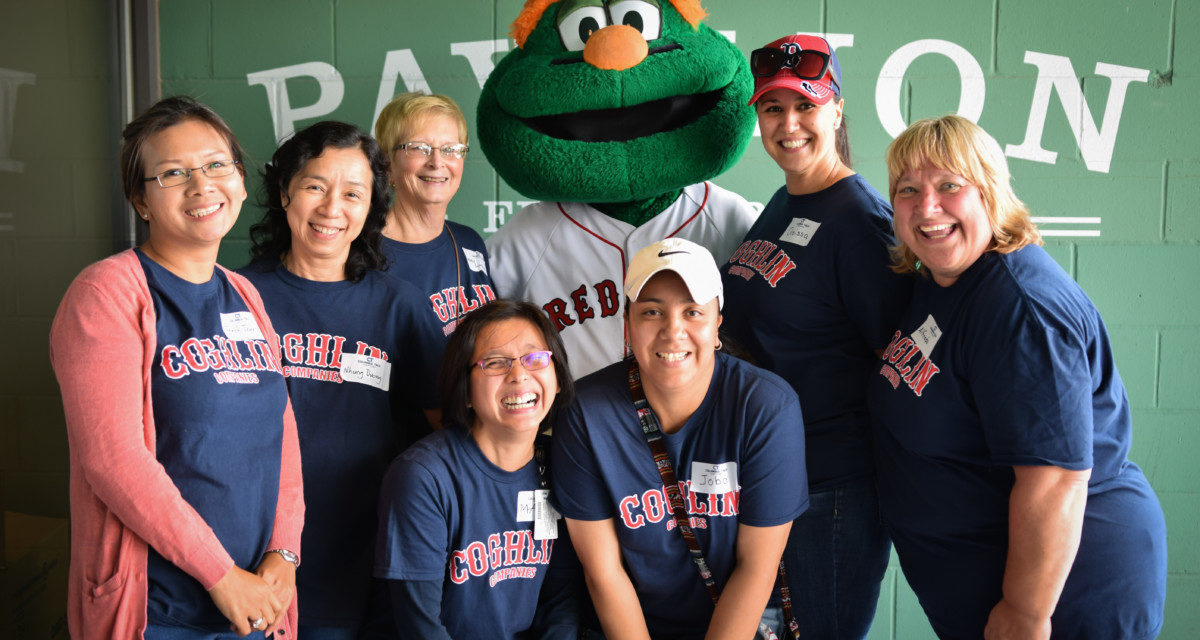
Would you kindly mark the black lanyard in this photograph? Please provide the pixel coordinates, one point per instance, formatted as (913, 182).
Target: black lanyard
(662, 461)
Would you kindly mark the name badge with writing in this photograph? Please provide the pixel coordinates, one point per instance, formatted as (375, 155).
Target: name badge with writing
(718, 477)
(367, 370)
(926, 335)
(534, 506)
(240, 326)
(475, 260)
(800, 231)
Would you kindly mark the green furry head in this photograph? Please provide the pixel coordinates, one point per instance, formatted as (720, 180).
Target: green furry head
(557, 127)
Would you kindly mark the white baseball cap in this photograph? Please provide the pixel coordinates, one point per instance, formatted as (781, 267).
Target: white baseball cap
(693, 263)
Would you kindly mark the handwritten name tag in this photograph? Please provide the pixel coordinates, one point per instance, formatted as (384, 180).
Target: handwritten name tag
(710, 477)
(535, 507)
(240, 326)
(926, 335)
(364, 369)
(800, 231)
(475, 260)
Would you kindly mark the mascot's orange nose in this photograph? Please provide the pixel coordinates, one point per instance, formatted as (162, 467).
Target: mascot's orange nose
(616, 48)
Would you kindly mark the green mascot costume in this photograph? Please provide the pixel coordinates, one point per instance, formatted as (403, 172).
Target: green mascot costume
(615, 114)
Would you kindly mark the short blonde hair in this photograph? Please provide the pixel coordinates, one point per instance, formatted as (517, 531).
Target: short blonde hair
(953, 143)
(405, 112)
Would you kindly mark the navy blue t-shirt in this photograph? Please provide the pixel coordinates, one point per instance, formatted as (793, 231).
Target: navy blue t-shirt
(351, 350)
(447, 513)
(1011, 365)
(746, 440)
(810, 296)
(218, 399)
(452, 283)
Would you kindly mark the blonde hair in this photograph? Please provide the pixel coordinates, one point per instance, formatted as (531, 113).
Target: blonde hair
(527, 20)
(953, 143)
(398, 119)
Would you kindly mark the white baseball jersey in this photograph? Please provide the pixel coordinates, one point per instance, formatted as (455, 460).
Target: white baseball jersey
(570, 259)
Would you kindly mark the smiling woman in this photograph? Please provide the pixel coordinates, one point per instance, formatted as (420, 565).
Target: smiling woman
(357, 353)
(468, 541)
(816, 317)
(1002, 424)
(680, 438)
(425, 137)
(186, 503)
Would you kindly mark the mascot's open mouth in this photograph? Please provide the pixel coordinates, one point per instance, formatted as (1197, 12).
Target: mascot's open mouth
(626, 123)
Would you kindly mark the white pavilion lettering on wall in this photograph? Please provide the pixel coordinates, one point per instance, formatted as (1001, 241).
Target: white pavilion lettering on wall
(1055, 75)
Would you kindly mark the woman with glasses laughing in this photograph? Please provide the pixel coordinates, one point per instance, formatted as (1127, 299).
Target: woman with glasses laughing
(186, 499)
(812, 299)
(467, 533)
(425, 137)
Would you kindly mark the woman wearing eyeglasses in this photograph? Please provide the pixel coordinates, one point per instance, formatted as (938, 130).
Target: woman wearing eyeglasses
(811, 298)
(466, 531)
(355, 349)
(186, 498)
(425, 137)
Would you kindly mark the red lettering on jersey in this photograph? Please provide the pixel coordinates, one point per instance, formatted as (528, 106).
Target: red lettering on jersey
(212, 354)
(741, 251)
(631, 520)
(439, 307)
(495, 550)
(748, 254)
(610, 300)
(729, 503)
(514, 544)
(193, 354)
(582, 310)
(171, 365)
(465, 306)
(233, 358)
(364, 349)
(655, 505)
(780, 269)
(320, 350)
(477, 559)
(557, 310)
(760, 256)
(897, 350)
(458, 573)
(258, 351)
(887, 353)
(293, 348)
(922, 377)
(483, 293)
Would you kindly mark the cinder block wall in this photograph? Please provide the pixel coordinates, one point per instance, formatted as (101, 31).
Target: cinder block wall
(1124, 193)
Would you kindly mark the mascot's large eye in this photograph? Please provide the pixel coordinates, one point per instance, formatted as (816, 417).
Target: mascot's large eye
(578, 20)
(643, 15)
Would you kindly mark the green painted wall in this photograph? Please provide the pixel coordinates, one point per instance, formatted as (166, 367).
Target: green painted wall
(1129, 207)
(1134, 243)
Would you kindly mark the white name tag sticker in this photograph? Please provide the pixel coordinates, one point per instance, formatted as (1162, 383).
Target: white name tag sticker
(800, 231)
(525, 506)
(475, 260)
(926, 335)
(545, 516)
(710, 477)
(240, 326)
(375, 372)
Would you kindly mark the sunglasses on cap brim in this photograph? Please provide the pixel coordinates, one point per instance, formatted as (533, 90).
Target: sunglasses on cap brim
(806, 63)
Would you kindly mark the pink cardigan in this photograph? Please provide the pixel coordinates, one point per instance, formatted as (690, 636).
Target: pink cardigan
(121, 497)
